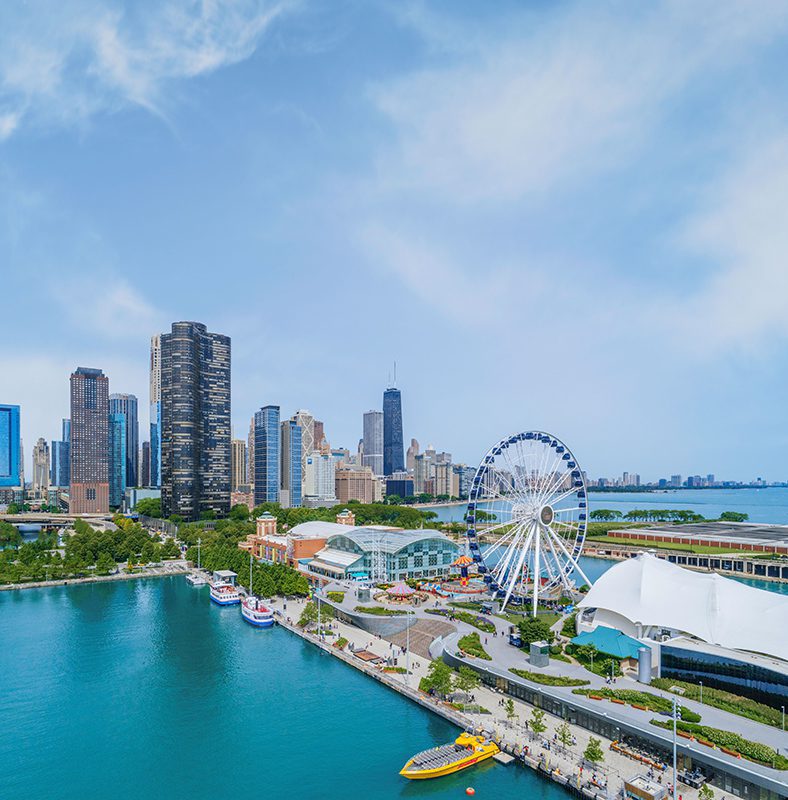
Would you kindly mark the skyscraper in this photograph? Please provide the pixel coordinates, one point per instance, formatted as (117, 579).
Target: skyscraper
(145, 464)
(155, 410)
(250, 454)
(291, 479)
(40, 469)
(89, 451)
(126, 404)
(238, 469)
(373, 441)
(10, 446)
(319, 434)
(266, 455)
(413, 451)
(307, 424)
(195, 429)
(59, 469)
(393, 449)
(118, 457)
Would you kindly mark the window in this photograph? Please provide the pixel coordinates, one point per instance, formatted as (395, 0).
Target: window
(90, 494)
(433, 560)
(418, 561)
(403, 563)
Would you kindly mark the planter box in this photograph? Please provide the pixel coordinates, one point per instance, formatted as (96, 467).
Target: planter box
(639, 707)
(685, 735)
(595, 697)
(730, 752)
(616, 700)
(708, 744)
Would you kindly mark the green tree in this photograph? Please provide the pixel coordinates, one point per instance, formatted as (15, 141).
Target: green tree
(105, 563)
(564, 733)
(733, 516)
(147, 552)
(533, 629)
(13, 508)
(239, 512)
(438, 678)
(586, 652)
(594, 753)
(538, 725)
(466, 679)
(149, 507)
(510, 712)
(9, 534)
(706, 792)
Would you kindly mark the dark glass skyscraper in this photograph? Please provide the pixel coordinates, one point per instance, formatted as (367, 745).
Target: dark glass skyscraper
(126, 404)
(118, 460)
(10, 446)
(393, 447)
(266, 455)
(89, 451)
(196, 434)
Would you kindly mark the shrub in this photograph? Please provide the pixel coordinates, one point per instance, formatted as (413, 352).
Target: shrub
(378, 611)
(471, 644)
(336, 597)
(568, 628)
(727, 701)
(753, 751)
(644, 700)
(549, 680)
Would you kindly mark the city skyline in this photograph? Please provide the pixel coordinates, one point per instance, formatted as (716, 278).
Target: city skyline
(185, 192)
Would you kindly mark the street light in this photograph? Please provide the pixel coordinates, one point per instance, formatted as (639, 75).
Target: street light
(676, 716)
(701, 692)
(408, 612)
(783, 708)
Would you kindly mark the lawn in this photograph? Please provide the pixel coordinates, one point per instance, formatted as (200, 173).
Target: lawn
(548, 680)
(379, 611)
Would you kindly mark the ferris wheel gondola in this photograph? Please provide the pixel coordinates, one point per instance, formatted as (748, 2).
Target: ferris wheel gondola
(528, 500)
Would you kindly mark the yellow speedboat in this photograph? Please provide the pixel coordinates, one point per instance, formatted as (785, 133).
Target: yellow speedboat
(465, 751)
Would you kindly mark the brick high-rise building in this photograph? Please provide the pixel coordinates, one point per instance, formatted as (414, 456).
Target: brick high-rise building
(89, 450)
(196, 433)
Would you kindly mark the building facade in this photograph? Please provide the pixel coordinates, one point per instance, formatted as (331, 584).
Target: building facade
(319, 479)
(373, 442)
(307, 424)
(145, 465)
(59, 464)
(195, 433)
(118, 458)
(355, 483)
(266, 455)
(10, 447)
(89, 451)
(291, 454)
(238, 469)
(155, 410)
(393, 448)
(126, 404)
(40, 469)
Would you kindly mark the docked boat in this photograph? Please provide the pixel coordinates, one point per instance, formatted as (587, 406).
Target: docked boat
(224, 592)
(256, 613)
(465, 751)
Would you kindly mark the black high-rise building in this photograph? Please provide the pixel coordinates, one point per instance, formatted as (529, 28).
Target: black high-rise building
(393, 448)
(196, 432)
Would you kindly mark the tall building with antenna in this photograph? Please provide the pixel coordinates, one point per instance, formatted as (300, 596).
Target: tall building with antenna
(393, 446)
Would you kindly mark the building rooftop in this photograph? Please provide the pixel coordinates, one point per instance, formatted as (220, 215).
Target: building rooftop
(610, 641)
(650, 591)
(744, 532)
(390, 540)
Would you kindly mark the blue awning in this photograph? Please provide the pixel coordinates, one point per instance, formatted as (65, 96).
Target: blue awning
(610, 641)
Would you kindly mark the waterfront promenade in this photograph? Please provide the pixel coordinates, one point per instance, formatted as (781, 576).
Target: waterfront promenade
(561, 765)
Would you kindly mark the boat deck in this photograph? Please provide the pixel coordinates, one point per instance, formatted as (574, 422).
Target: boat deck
(438, 757)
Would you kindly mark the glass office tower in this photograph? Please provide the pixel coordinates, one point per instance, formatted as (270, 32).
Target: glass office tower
(266, 455)
(393, 447)
(118, 458)
(10, 446)
(126, 404)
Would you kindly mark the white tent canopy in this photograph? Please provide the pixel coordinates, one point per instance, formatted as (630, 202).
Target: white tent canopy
(649, 591)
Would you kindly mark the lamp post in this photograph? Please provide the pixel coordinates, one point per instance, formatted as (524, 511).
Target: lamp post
(701, 692)
(783, 709)
(676, 716)
(407, 647)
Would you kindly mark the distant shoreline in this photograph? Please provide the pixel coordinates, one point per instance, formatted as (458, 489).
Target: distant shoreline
(120, 576)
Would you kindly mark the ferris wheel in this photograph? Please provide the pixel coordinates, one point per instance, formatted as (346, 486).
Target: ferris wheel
(528, 501)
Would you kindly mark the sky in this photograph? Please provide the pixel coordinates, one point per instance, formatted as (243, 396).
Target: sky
(559, 216)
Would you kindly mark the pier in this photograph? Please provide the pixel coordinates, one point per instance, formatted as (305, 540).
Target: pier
(517, 744)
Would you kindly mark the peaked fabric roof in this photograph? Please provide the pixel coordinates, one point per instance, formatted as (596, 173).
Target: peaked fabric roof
(610, 641)
(721, 611)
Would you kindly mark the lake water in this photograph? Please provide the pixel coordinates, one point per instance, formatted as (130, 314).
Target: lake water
(143, 689)
(762, 505)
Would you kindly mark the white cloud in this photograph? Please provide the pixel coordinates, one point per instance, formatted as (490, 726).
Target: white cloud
(743, 228)
(573, 96)
(64, 64)
(107, 306)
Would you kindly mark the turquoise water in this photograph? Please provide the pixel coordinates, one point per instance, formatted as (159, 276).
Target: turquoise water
(762, 505)
(143, 689)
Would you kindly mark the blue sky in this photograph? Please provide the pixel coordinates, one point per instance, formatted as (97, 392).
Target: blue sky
(553, 215)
